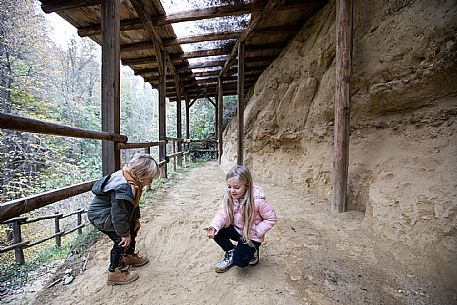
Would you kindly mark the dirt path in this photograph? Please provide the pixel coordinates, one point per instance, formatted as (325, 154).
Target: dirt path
(310, 257)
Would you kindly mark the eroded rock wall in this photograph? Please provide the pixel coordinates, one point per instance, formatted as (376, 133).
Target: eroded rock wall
(403, 144)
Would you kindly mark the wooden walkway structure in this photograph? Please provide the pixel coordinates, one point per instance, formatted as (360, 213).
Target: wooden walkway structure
(139, 34)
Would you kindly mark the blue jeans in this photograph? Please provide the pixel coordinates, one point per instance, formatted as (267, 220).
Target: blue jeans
(117, 252)
(243, 252)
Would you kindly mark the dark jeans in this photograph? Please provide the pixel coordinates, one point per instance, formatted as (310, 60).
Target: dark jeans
(243, 252)
(117, 252)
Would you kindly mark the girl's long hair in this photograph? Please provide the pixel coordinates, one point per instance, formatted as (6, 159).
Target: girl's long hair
(243, 174)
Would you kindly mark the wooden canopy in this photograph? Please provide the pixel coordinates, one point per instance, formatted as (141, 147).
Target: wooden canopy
(147, 37)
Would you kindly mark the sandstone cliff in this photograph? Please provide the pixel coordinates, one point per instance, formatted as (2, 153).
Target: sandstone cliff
(403, 145)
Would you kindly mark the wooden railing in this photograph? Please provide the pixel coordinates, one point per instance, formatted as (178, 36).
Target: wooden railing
(19, 245)
(11, 211)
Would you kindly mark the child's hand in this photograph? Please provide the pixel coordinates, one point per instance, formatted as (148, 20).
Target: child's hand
(125, 242)
(210, 232)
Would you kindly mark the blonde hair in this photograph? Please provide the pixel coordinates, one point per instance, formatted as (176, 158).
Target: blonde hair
(143, 166)
(242, 173)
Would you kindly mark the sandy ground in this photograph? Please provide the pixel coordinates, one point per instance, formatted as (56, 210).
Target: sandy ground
(309, 257)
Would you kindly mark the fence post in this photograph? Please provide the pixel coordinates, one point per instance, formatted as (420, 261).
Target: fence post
(17, 238)
(57, 230)
(80, 230)
(174, 158)
(147, 150)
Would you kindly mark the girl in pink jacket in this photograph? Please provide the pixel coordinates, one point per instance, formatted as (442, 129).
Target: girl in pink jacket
(245, 217)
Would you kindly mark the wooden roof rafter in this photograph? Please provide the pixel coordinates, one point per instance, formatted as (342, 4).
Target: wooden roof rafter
(269, 7)
(200, 14)
(147, 37)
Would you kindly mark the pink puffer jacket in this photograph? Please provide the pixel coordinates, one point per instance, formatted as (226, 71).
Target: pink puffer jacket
(264, 217)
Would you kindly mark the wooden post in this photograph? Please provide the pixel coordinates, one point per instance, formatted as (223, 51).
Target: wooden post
(17, 238)
(187, 126)
(162, 118)
(179, 126)
(342, 103)
(216, 125)
(174, 158)
(147, 150)
(57, 230)
(220, 109)
(240, 89)
(110, 83)
(79, 222)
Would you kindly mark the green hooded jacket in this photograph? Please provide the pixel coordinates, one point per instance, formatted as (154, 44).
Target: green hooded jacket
(112, 208)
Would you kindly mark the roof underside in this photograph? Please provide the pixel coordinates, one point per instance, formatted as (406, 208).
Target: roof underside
(212, 32)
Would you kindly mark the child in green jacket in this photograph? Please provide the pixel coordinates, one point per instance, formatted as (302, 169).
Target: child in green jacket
(115, 211)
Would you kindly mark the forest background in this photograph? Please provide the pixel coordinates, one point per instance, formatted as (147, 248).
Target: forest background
(60, 83)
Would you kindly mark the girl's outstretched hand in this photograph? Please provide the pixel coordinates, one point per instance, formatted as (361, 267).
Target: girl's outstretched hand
(210, 232)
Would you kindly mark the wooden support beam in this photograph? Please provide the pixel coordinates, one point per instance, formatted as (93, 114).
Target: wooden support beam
(240, 89)
(203, 53)
(149, 28)
(267, 10)
(216, 122)
(126, 25)
(51, 6)
(211, 101)
(162, 118)
(202, 38)
(206, 64)
(200, 14)
(179, 123)
(161, 52)
(111, 158)
(141, 61)
(187, 98)
(137, 46)
(343, 65)
(220, 109)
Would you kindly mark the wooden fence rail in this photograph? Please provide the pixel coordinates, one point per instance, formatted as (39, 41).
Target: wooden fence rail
(10, 211)
(19, 245)
(18, 123)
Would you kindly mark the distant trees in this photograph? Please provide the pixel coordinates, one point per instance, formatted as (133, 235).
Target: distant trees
(42, 80)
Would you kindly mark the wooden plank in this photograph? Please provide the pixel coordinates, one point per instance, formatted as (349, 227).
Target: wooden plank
(14, 122)
(125, 25)
(20, 206)
(343, 66)
(136, 24)
(207, 64)
(51, 6)
(200, 14)
(204, 53)
(211, 12)
(141, 61)
(111, 158)
(240, 103)
(201, 38)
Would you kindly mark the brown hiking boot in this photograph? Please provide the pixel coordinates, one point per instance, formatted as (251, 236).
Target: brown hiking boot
(119, 277)
(135, 260)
